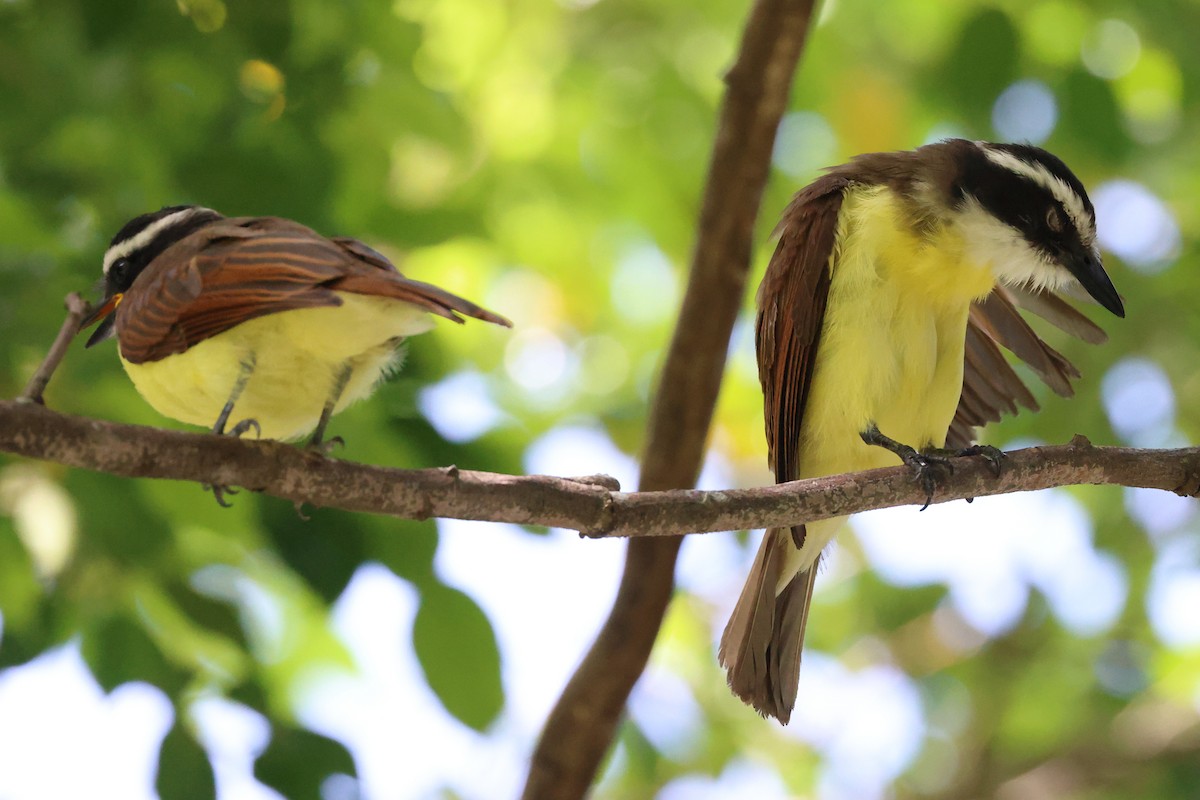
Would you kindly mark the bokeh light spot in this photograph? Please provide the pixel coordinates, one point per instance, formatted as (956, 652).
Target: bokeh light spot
(663, 707)
(1134, 223)
(234, 736)
(1111, 49)
(111, 741)
(1140, 402)
(868, 725)
(460, 406)
(1158, 513)
(207, 15)
(1174, 596)
(1025, 112)
(604, 362)
(804, 144)
(43, 515)
(528, 299)
(644, 286)
(263, 83)
(1151, 95)
(740, 778)
(422, 172)
(535, 358)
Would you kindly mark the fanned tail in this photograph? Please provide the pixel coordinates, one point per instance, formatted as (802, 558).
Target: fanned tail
(762, 643)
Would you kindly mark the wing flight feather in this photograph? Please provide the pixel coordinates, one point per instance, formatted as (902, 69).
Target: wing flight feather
(241, 268)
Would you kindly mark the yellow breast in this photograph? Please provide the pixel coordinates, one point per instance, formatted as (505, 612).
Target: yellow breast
(297, 357)
(892, 342)
(891, 347)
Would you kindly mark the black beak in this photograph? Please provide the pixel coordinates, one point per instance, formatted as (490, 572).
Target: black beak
(1090, 273)
(104, 315)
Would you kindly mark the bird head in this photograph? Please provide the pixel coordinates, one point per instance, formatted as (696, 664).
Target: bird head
(139, 242)
(1021, 209)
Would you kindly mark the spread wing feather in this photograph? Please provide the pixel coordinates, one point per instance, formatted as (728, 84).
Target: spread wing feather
(990, 385)
(1057, 312)
(238, 269)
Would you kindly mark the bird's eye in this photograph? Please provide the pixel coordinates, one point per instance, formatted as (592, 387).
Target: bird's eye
(1054, 220)
(119, 271)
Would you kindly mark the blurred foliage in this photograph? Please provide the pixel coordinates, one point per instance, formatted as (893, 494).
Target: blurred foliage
(546, 160)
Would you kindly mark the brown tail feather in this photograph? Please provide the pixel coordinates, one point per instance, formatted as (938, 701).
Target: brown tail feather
(387, 281)
(425, 295)
(762, 643)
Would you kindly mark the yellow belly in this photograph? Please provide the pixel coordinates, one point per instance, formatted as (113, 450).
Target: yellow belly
(891, 347)
(297, 356)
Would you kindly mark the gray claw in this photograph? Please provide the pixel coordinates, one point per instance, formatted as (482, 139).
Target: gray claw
(244, 426)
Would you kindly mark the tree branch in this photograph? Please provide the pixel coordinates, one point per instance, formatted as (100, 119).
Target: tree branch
(77, 309)
(584, 720)
(593, 504)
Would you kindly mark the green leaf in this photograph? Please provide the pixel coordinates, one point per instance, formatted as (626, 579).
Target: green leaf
(253, 695)
(984, 61)
(297, 762)
(406, 547)
(218, 616)
(20, 591)
(325, 549)
(20, 645)
(897, 607)
(1090, 115)
(113, 535)
(184, 771)
(457, 649)
(118, 650)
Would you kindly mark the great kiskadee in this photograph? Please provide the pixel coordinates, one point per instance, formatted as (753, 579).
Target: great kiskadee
(895, 279)
(258, 315)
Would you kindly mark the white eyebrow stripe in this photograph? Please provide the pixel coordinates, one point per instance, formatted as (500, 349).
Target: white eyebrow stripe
(1054, 184)
(146, 235)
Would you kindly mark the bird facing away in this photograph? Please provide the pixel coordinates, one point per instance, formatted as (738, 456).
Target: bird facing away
(896, 279)
(260, 316)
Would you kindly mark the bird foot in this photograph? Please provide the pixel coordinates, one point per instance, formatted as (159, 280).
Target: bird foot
(943, 456)
(929, 469)
(324, 446)
(994, 456)
(245, 425)
(933, 465)
(1190, 487)
(237, 431)
(299, 506)
(219, 493)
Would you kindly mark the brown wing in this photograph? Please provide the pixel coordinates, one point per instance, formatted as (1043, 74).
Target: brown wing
(762, 643)
(436, 300)
(1057, 312)
(990, 385)
(791, 308)
(238, 269)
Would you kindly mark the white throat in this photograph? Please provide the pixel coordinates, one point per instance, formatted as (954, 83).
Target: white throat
(1004, 250)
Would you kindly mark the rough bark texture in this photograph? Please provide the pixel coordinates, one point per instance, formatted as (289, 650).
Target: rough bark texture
(593, 504)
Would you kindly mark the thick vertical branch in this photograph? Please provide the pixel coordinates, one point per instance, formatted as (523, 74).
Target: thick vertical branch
(583, 723)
